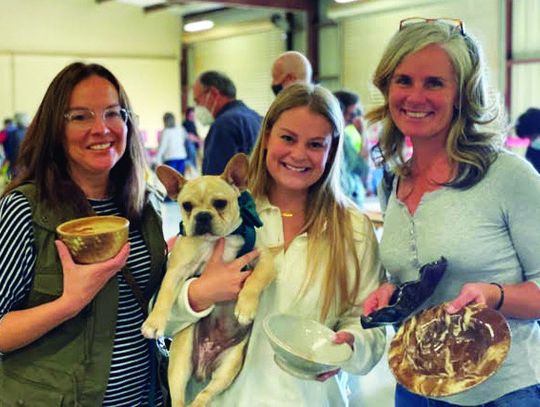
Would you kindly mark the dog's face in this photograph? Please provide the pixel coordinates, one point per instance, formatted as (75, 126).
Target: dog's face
(209, 204)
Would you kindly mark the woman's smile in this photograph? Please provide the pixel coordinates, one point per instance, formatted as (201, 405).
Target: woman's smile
(297, 149)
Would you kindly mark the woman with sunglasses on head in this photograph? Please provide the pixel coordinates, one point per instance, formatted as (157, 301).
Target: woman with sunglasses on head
(70, 333)
(459, 196)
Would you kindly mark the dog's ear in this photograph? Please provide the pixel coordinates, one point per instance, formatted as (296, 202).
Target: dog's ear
(171, 179)
(236, 171)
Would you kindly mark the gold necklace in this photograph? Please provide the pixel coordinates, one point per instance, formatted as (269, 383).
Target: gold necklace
(287, 214)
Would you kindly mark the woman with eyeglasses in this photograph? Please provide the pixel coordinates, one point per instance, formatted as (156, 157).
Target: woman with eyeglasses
(460, 196)
(70, 333)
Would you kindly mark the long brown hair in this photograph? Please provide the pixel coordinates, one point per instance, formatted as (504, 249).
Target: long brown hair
(328, 221)
(42, 157)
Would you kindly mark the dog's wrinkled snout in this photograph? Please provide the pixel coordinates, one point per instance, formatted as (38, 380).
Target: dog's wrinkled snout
(203, 223)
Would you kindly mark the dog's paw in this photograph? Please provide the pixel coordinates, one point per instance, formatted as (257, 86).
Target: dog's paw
(154, 326)
(245, 311)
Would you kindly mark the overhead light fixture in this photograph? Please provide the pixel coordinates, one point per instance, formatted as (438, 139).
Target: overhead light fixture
(344, 1)
(198, 26)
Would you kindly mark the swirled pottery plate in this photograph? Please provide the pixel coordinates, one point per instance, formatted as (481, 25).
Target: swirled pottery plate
(439, 354)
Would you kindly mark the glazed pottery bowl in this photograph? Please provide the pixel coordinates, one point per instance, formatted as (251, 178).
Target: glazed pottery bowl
(303, 347)
(95, 238)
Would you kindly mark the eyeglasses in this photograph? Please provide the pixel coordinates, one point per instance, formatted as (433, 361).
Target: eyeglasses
(454, 22)
(85, 118)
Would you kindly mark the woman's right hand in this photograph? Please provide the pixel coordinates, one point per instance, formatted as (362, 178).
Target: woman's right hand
(82, 282)
(220, 281)
(379, 298)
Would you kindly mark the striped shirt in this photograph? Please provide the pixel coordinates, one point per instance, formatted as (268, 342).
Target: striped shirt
(130, 365)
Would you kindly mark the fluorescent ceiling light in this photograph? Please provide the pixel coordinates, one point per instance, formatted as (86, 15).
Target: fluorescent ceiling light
(198, 26)
(344, 1)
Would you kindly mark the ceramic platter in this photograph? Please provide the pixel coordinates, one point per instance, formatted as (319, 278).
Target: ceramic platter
(438, 354)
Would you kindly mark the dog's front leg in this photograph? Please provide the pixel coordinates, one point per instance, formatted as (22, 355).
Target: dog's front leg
(180, 365)
(183, 262)
(248, 298)
(229, 365)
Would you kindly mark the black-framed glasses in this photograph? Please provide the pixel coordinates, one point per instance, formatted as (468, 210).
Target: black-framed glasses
(84, 118)
(454, 22)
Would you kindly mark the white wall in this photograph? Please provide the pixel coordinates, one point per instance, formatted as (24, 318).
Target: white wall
(526, 45)
(39, 37)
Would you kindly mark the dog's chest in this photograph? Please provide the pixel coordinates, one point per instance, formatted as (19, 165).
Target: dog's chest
(220, 330)
(233, 243)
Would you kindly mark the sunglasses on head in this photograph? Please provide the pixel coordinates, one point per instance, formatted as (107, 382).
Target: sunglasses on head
(454, 22)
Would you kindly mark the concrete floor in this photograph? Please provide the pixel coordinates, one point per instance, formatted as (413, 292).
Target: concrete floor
(375, 389)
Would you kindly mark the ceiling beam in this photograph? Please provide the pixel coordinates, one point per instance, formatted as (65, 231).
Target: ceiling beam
(156, 7)
(161, 6)
(297, 5)
(206, 13)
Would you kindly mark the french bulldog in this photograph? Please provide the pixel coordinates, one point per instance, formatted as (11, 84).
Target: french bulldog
(212, 349)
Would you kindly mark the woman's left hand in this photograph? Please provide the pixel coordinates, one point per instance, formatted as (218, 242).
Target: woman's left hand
(340, 337)
(478, 293)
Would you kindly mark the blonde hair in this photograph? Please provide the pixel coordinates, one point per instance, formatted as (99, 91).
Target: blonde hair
(328, 222)
(469, 144)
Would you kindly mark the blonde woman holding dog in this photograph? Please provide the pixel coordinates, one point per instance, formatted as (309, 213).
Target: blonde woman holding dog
(70, 333)
(327, 259)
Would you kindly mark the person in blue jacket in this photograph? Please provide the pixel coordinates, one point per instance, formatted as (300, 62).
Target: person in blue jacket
(234, 126)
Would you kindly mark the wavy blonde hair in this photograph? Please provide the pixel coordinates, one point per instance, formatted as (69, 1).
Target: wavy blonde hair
(469, 144)
(328, 221)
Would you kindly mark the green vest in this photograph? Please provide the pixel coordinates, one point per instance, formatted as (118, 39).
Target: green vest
(69, 366)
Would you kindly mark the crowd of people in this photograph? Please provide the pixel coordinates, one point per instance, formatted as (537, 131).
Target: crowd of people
(11, 137)
(70, 333)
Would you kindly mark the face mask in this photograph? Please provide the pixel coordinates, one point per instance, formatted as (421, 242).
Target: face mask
(204, 115)
(278, 87)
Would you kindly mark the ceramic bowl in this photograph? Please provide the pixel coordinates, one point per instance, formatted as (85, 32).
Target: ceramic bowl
(95, 238)
(303, 347)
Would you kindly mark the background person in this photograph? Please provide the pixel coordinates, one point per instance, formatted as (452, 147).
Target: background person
(14, 139)
(355, 148)
(70, 333)
(193, 140)
(327, 264)
(8, 128)
(528, 126)
(233, 125)
(289, 68)
(458, 196)
(172, 148)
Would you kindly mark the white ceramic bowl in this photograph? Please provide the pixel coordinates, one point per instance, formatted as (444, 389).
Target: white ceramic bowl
(303, 347)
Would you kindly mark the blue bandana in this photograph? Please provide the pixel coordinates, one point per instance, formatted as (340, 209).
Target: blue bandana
(250, 221)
